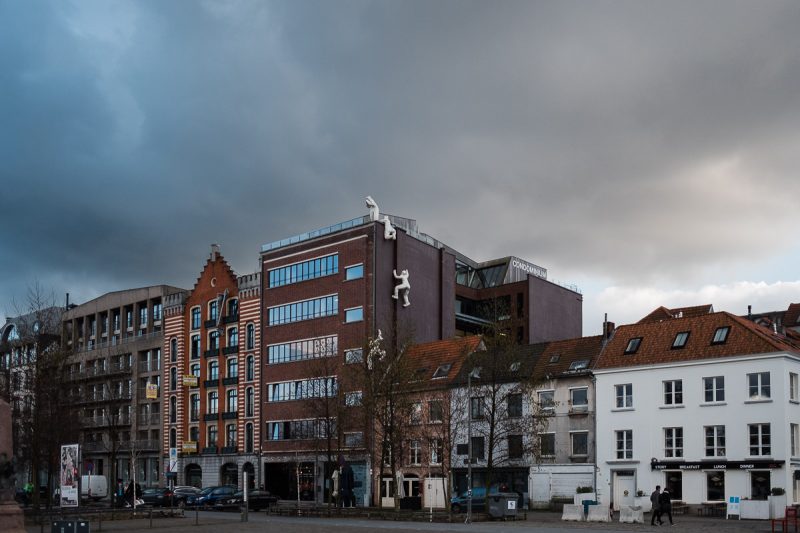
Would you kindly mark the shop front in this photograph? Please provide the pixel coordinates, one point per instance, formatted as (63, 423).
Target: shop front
(699, 482)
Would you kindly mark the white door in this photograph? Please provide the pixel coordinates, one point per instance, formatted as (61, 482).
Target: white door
(540, 487)
(434, 492)
(624, 489)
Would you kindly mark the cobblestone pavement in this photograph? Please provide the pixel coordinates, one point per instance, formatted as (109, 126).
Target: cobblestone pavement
(536, 522)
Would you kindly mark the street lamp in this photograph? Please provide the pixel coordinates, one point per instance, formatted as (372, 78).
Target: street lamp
(475, 373)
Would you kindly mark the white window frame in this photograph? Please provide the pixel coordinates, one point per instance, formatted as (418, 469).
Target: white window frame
(348, 268)
(793, 387)
(414, 452)
(717, 389)
(623, 394)
(760, 387)
(673, 442)
(625, 452)
(671, 392)
(549, 408)
(717, 433)
(794, 440)
(762, 449)
(359, 307)
(572, 443)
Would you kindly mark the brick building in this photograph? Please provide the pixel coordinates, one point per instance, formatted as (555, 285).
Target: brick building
(211, 377)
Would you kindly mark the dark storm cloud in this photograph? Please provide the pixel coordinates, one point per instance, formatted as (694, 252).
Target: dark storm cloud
(136, 133)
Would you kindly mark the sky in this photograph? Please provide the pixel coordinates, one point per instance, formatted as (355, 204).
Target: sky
(646, 152)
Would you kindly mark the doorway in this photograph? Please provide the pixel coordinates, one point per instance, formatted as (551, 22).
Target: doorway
(623, 488)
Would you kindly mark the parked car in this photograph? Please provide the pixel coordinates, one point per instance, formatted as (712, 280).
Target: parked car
(459, 503)
(207, 501)
(181, 495)
(192, 499)
(94, 487)
(256, 500)
(157, 497)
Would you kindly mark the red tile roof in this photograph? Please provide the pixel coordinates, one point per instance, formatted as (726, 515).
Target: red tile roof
(558, 356)
(744, 338)
(792, 317)
(426, 358)
(663, 313)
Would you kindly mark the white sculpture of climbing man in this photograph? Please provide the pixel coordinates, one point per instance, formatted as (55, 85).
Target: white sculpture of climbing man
(374, 212)
(389, 233)
(404, 285)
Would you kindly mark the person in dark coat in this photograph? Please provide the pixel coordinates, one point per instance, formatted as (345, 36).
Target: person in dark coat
(665, 505)
(346, 484)
(654, 501)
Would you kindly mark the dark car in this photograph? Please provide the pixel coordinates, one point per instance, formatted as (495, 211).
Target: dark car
(461, 502)
(214, 495)
(192, 499)
(181, 496)
(157, 497)
(256, 500)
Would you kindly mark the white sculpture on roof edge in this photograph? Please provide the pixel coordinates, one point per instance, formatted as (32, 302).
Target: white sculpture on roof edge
(374, 211)
(404, 285)
(389, 233)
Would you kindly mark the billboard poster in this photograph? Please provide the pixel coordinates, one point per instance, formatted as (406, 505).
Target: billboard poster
(151, 391)
(69, 477)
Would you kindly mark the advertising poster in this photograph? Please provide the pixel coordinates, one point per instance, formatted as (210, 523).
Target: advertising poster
(69, 476)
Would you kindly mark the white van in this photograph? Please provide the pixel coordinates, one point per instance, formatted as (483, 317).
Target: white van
(94, 487)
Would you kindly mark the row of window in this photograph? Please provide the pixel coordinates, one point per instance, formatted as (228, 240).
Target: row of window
(302, 389)
(303, 349)
(212, 403)
(232, 370)
(759, 441)
(311, 269)
(758, 389)
(232, 335)
(300, 429)
(304, 310)
(579, 445)
(680, 340)
(212, 437)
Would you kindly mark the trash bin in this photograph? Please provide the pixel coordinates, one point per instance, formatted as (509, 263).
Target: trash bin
(586, 504)
(502, 505)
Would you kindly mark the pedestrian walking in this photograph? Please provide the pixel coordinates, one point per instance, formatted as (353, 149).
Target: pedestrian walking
(665, 505)
(656, 505)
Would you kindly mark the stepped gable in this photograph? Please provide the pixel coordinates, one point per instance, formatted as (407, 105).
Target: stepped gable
(664, 313)
(744, 338)
(557, 357)
(215, 257)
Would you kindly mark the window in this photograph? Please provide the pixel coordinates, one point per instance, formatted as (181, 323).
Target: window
(414, 452)
(355, 314)
(442, 371)
(760, 443)
(173, 438)
(302, 389)
(250, 369)
(173, 378)
(437, 451)
(231, 403)
(195, 318)
(212, 436)
(213, 310)
(514, 405)
(233, 368)
(715, 441)
(233, 307)
(213, 340)
(194, 434)
(794, 440)
(759, 484)
(233, 337)
(353, 399)
(248, 438)
(249, 402)
(673, 392)
(195, 346)
(354, 272)
(311, 269)
(579, 365)
(477, 448)
(714, 389)
(435, 411)
(250, 343)
(680, 340)
(352, 440)
(194, 370)
(515, 446)
(416, 413)
(142, 318)
(173, 409)
(194, 407)
(230, 435)
(624, 394)
(213, 370)
(213, 403)
(354, 356)
(580, 443)
(624, 439)
(673, 442)
(547, 400)
(547, 444)
(720, 335)
(758, 386)
(303, 349)
(715, 486)
(304, 310)
(173, 350)
(476, 408)
(579, 399)
(793, 386)
(633, 345)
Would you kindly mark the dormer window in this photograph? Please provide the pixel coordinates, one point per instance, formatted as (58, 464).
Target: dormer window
(680, 340)
(633, 345)
(514, 366)
(579, 365)
(442, 371)
(721, 335)
(555, 358)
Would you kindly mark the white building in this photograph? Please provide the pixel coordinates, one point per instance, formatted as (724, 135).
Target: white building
(704, 404)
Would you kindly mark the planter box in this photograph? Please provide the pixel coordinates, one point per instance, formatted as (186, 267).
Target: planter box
(584, 496)
(777, 506)
(644, 503)
(754, 509)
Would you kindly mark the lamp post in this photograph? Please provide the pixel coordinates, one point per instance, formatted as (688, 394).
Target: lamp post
(475, 372)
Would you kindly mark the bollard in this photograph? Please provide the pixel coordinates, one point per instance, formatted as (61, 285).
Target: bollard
(151, 518)
(196, 514)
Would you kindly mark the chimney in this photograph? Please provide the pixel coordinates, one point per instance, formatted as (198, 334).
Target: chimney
(66, 306)
(214, 252)
(609, 329)
(750, 312)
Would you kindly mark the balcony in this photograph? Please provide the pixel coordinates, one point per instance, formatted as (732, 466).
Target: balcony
(209, 450)
(94, 446)
(230, 350)
(228, 449)
(211, 353)
(210, 323)
(139, 445)
(231, 381)
(230, 415)
(211, 383)
(119, 368)
(230, 319)
(149, 366)
(151, 419)
(578, 410)
(141, 394)
(211, 417)
(120, 395)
